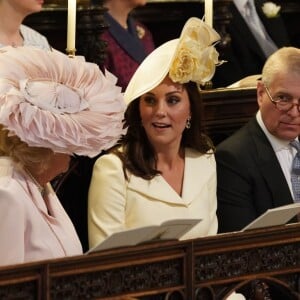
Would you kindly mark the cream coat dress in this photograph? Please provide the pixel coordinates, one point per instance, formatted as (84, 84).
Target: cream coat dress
(116, 204)
(27, 231)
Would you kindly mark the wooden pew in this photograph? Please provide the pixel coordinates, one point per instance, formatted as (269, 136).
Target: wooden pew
(205, 268)
(226, 110)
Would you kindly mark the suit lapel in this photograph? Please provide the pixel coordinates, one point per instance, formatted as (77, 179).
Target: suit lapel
(127, 40)
(269, 166)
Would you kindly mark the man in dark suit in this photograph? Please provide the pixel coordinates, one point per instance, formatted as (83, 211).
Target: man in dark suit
(246, 54)
(254, 164)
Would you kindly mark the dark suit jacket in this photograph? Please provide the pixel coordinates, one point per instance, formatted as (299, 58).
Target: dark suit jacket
(249, 177)
(244, 56)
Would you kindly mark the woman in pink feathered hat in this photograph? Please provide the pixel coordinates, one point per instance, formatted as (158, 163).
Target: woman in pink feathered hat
(51, 107)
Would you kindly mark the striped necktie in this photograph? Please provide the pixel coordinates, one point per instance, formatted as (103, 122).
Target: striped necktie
(257, 28)
(295, 173)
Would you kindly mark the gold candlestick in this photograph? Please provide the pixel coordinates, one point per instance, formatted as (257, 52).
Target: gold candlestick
(71, 52)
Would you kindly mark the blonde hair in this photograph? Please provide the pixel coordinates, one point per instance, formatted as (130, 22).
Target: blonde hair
(33, 157)
(285, 60)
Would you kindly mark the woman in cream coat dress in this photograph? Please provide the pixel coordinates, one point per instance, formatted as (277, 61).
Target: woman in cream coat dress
(164, 167)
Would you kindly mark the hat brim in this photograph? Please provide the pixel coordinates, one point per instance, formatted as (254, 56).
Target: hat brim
(152, 71)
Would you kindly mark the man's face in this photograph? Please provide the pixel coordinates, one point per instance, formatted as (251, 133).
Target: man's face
(282, 124)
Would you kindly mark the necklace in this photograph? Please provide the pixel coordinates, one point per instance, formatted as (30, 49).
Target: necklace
(41, 189)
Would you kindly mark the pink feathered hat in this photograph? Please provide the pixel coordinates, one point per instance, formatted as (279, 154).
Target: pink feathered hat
(52, 101)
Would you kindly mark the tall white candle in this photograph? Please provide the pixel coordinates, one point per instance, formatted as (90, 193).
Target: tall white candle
(71, 30)
(208, 12)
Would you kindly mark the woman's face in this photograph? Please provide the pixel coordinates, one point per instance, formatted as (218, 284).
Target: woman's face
(164, 112)
(26, 7)
(60, 163)
(57, 164)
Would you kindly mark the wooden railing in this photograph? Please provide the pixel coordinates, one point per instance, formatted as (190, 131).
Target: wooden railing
(205, 268)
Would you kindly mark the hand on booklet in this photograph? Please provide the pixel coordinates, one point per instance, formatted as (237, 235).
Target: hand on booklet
(169, 230)
(275, 216)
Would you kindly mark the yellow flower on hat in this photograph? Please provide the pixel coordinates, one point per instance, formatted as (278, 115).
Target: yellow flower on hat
(192, 64)
(196, 57)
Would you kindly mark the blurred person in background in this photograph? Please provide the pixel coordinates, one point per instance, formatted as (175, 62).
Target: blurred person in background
(128, 40)
(257, 30)
(12, 31)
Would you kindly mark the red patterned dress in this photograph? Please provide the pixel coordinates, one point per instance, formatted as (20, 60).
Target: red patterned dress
(126, 49)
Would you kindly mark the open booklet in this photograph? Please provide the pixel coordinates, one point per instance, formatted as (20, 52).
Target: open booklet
(275, 216)
(169, 230)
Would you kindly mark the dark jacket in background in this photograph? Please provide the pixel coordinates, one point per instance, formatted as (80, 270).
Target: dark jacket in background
(245, 57)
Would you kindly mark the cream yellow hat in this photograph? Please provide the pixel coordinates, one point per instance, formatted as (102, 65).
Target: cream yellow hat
(191, 57)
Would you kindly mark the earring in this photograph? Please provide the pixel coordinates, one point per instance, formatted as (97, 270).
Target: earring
(188, 123)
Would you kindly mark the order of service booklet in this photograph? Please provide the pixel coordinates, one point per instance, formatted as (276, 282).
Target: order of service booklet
(168, 230)
(275, 216)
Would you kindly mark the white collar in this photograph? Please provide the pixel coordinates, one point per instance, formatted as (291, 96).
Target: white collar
(277, 144)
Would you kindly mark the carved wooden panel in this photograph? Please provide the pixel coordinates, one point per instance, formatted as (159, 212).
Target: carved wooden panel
(23, 290)
(26, 283)
(143, 278)
(260, 263)
(275, 264)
